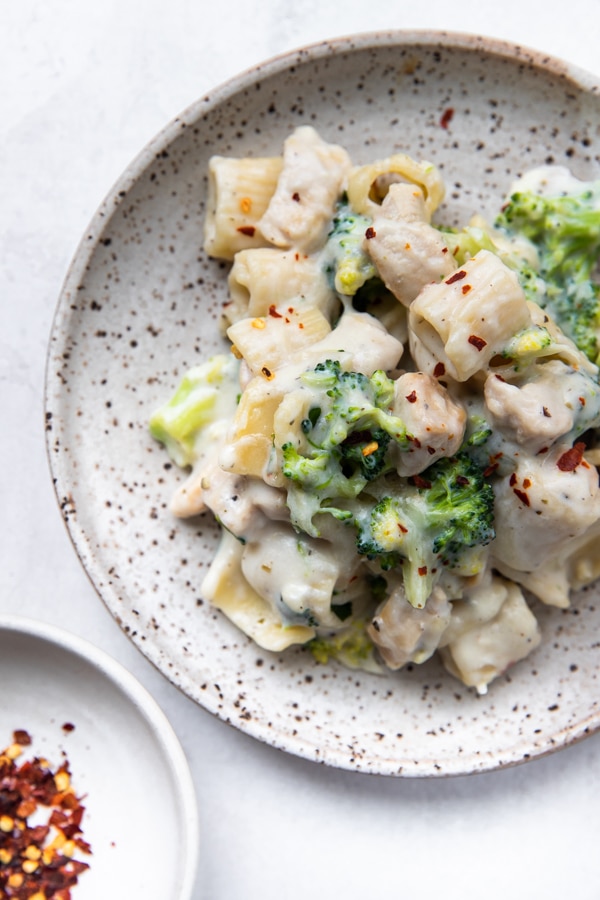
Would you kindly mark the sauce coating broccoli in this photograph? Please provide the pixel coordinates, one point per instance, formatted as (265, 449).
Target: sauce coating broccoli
(346, 436)
(440, 518)
(565, 230)
(345, 260)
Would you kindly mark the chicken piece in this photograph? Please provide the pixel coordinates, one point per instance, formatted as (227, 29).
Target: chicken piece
(402, 633)
(435, 423)
(300, 211)
(407, 251)
(241, 504)
(545, 504)
(538, 412)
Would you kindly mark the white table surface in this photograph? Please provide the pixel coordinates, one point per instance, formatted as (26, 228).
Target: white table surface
(83, 86)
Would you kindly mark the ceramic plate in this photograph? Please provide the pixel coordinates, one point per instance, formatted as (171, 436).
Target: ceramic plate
(77, 703)
(141, 304)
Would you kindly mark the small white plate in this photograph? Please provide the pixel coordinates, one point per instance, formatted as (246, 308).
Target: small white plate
(125, 760)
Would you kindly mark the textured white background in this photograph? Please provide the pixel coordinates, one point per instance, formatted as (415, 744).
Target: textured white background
(83, 86)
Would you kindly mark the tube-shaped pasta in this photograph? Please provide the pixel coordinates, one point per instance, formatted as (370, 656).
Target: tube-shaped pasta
(227, 589)
(239, 191)
(250, 438)
(469, 318)
(368, 184)
(261, 277)
(267, 342)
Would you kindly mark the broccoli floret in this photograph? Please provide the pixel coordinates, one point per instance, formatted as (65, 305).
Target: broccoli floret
(528, 345)
(206, 393)
(565, 231)
(346, 438)
(478, 431)
(345, 260)
(352, 646)
(441, 518)
(464, 244)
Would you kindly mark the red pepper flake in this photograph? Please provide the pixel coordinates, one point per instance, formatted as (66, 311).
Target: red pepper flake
(542, 450)
(370, 233)
(466, 288)
(38, 860)
(526, 483)
(490, 470)
(447, 117)
(402, 528)
(477, 342)
(431, 451)
(444, 249)
(440, 370)
(68, 727)
(296, 197)
(248, 230)
(458, 276)
(512, 480)
(273, 312)
(499, 377)
(412, 397)
(569, 461)
(546, 412)
(422, 570)
(522, 496)
(420, 482)
(462, 480)
(582, 401)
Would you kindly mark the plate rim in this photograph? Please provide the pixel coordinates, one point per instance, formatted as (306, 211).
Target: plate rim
(149, 709)
(194, 114)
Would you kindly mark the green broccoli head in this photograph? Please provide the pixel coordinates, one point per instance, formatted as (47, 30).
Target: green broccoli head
(565, 230)
(206, 393)
(344, 443)
(441, 518)
(345, 260)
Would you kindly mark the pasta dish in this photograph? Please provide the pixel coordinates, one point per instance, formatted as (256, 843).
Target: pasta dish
(400, 441)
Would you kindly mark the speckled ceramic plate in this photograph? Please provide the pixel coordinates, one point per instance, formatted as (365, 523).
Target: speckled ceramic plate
(78, 704)
(141, 303)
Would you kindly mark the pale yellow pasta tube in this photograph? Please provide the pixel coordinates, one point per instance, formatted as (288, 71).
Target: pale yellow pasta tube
(367, 185)
(226, 588)
(268, 342)
(261, 277)
(239, 191)
(250, 439)
(466, 320)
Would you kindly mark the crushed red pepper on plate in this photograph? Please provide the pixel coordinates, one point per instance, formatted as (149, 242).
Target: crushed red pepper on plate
(37, 861)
